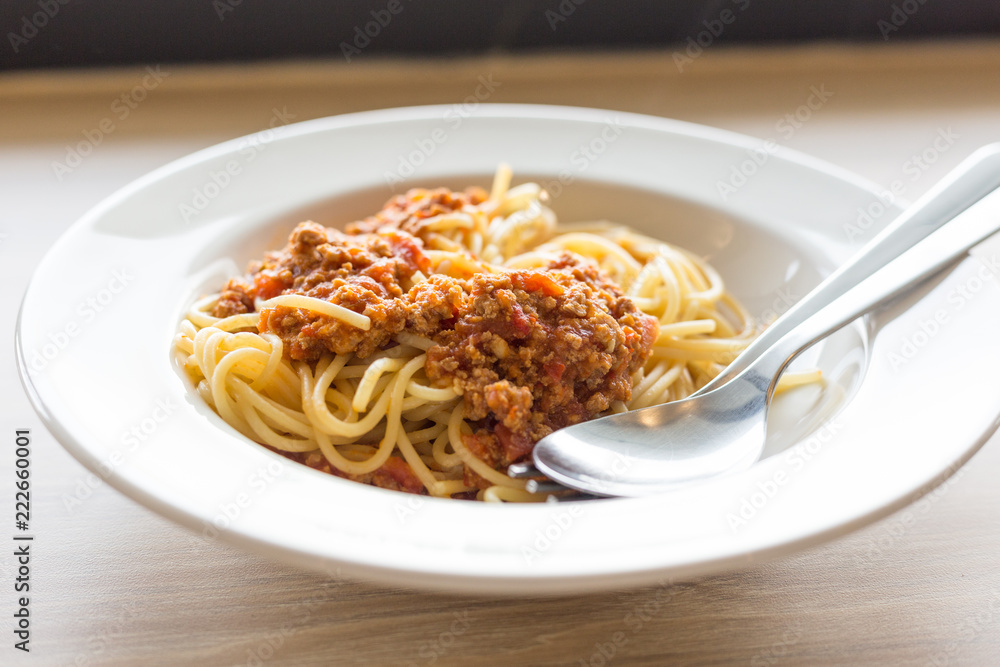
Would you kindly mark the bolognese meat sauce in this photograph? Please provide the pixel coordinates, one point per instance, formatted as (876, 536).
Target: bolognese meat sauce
(531, 351)
(539, 350)
(413, 211)
(366, 273)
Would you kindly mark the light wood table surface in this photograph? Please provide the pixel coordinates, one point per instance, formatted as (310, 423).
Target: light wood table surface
(115, 584)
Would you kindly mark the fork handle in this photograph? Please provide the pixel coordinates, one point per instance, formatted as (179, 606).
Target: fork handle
(970, 181)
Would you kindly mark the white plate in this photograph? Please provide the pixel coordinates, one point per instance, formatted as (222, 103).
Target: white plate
(95, 330)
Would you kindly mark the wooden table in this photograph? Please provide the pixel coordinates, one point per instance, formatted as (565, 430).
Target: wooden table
(113, 583)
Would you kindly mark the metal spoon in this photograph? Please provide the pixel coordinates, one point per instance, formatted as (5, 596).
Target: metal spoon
(721, 429)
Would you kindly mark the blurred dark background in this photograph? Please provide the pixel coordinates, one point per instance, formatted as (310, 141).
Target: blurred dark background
(86, 33)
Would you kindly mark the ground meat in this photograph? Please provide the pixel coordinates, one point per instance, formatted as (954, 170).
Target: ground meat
(540, 350)
(236, 298)
(365, 273)
(409, 212)
(434, 305)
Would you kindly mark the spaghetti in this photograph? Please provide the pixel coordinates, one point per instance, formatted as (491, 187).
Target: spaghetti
(428, 347)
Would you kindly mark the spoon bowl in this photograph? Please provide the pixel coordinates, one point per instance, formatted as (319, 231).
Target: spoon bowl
(618, 457)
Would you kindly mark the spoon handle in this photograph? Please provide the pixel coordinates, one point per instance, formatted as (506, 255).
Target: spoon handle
(970, 181)
(936, 252)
